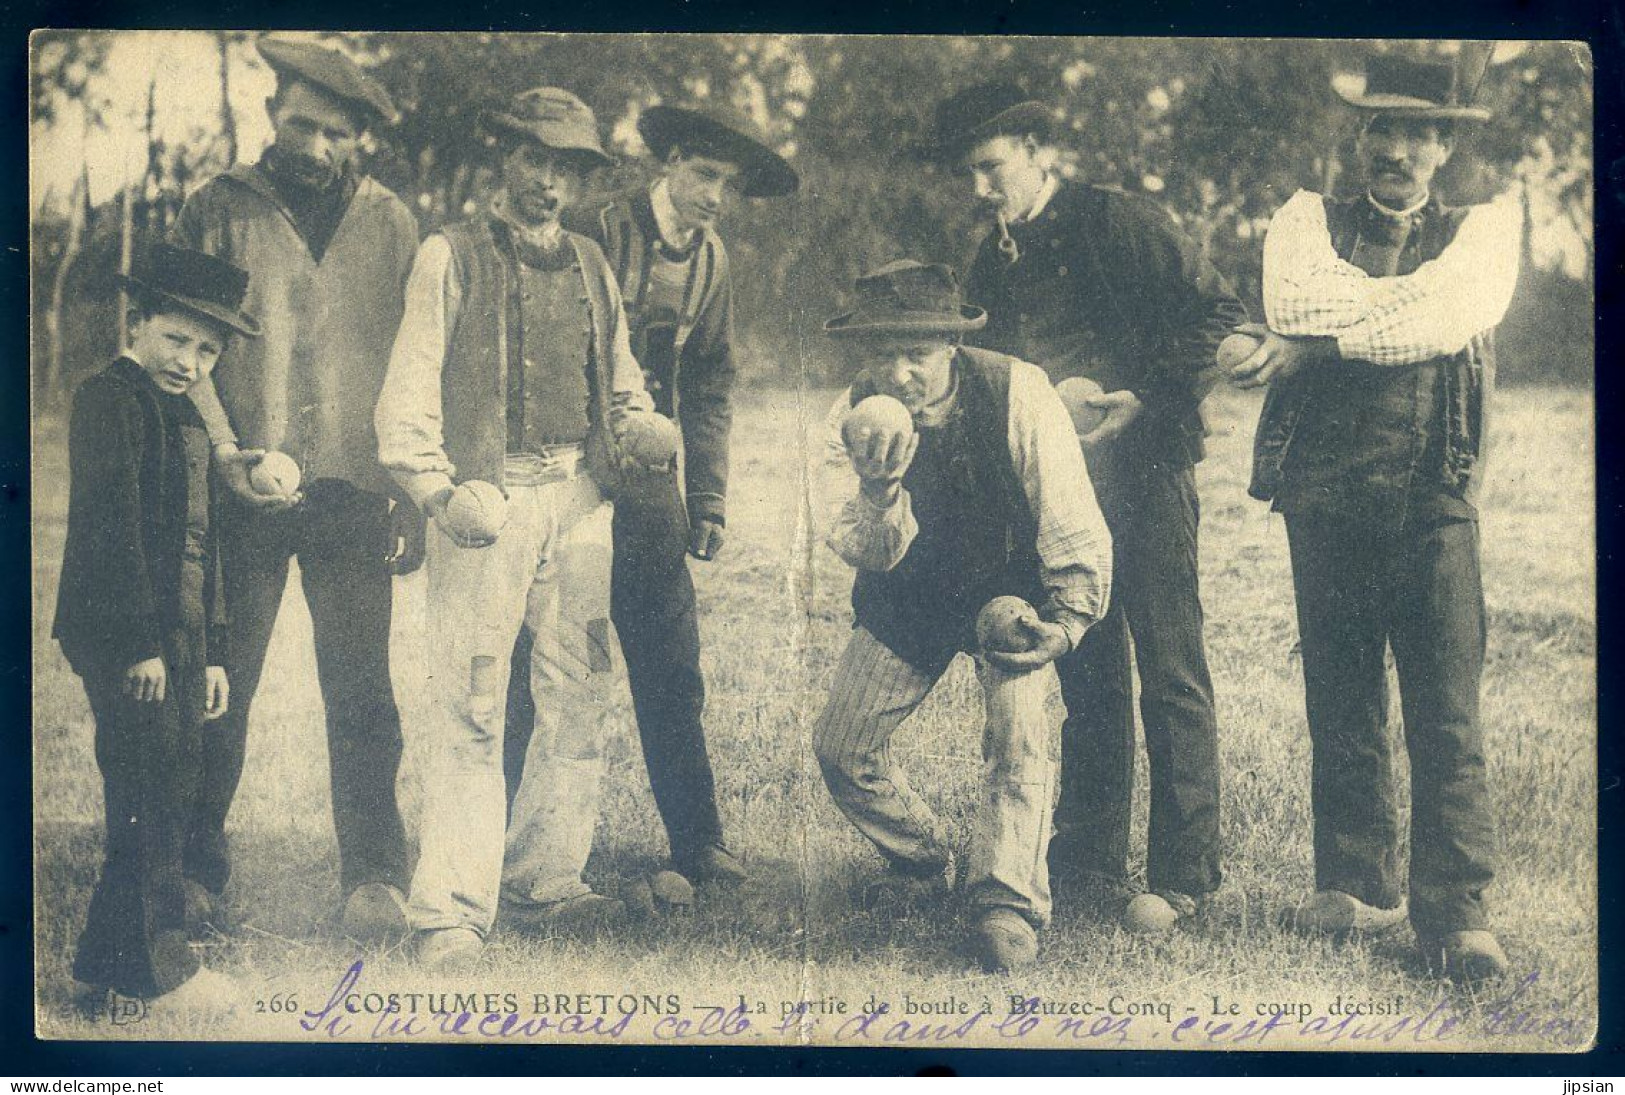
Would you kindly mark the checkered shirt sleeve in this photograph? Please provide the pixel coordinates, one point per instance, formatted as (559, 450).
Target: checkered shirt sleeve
(1437, 310)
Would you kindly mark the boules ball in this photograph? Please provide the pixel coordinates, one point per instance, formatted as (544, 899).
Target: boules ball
(274, 473)
(878, 414)
(671, 890)
(650, 439)
(1150, 914)
(476, 510)
(1075, 393)
(1235, 349)
(999, 626)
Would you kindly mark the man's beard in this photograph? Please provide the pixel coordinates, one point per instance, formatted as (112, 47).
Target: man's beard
(305, 171)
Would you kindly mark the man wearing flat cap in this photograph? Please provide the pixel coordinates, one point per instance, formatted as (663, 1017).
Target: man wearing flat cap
(328, 250)
(1378, 358)
(973, 489)
(513, 371)
(673, 272)
(1090, 282)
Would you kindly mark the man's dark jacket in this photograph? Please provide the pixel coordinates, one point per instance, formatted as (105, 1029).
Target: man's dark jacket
(118, 599)
(1108, 287)
(699, 394)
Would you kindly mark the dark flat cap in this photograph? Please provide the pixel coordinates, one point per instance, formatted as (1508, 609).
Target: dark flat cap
(763, 173)
(331, 71)
(983, 111)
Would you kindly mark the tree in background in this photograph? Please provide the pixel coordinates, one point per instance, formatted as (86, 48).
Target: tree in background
(1219, 131)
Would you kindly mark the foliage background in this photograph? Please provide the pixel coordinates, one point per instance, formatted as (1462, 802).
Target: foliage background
(1221, 131)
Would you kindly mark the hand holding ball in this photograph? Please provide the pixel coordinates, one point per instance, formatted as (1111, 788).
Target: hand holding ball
(474, 514)
(1235, 349)
(275, 473)
(877, 433)
(650, 440)
(1075, 393)
(1003, 625)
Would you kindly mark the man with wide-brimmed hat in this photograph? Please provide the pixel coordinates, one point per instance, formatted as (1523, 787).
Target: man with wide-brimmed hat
(329, 249)
(141, 617)
(978, 491)
(513, 369)
(1377, 354)
(1089, 282)
(672, 267)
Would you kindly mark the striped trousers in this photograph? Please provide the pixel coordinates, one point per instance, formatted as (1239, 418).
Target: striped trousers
(873, 693)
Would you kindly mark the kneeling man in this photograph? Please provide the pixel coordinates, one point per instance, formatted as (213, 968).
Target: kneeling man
(973, 495)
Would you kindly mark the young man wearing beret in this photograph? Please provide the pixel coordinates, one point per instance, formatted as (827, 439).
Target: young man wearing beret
(328, 250)
(1380, 365)
(979, 492)
(672, 268)
(513, 368)
(1087, 281)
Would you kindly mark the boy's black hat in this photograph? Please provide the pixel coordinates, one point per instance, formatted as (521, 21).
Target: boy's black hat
(196, 282)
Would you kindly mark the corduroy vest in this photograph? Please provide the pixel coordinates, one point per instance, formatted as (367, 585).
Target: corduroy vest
(485, 346)
(977, 537)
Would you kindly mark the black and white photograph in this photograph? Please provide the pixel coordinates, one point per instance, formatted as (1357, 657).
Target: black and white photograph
(792, 540)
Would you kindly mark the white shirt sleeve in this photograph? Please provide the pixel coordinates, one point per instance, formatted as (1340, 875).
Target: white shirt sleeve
(1074, 545)
(409, 416)
(1399, 320)
(863, 535)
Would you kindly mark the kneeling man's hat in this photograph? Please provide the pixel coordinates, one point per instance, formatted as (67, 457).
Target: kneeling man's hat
(195, 282)
(907, 298)
(1426, 90)
(331, 72)
(763, 173)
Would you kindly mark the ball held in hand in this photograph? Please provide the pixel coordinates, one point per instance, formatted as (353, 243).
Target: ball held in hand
(1236, 348)
(650, 439)
(999, 626)
(1075, 393)
(476, 510)
(274, 473)
(880, 414)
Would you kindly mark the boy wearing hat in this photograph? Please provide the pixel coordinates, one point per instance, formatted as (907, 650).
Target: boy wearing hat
(1379, 364)
(986, 496)
(510, 366)
(329, 250)
(141, 618)
(673, 273)
(1087, 281)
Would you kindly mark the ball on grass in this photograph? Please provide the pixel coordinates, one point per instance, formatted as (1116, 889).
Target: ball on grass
(999, 625)
(476, 510)
(671, 890)
(274, 473)
(650, 439)
(876, 414)
(1075, 393)
(1235, 349)
(1149, 914)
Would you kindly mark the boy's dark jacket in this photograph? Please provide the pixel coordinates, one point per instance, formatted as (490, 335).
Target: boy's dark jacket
(118, 597)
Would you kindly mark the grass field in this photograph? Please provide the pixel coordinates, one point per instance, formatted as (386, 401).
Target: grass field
(774, 619)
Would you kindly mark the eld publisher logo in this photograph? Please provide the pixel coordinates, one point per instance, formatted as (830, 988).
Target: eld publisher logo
(124, 1011)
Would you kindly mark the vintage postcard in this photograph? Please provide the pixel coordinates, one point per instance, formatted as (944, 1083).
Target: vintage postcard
(814, 540)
